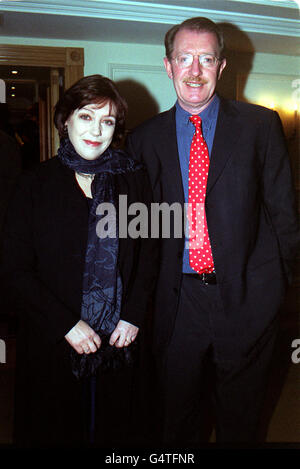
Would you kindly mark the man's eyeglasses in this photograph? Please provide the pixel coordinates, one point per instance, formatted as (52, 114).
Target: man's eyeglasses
(206, 60)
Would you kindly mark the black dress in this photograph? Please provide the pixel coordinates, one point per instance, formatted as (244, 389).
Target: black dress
(41, 272)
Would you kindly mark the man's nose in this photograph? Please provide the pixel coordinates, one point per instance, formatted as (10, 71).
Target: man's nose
(196, 68)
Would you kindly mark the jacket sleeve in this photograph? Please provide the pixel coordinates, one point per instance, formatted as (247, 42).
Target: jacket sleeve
(140, 294)
(20, 280)
(279, 195)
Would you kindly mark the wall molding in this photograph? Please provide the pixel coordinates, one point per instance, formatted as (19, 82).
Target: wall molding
(133, 11)
(114, 68)
(273, 3)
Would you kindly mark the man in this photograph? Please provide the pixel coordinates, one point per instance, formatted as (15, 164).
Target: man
(217, 301)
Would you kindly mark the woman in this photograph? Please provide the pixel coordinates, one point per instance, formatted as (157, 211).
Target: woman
(81, 297)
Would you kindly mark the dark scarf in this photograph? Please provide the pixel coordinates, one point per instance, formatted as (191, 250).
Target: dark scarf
(102, 286)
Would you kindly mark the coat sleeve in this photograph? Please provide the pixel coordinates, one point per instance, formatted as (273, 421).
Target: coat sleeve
(140, 294)
(21, 282)
(131, 149)
(279, 196)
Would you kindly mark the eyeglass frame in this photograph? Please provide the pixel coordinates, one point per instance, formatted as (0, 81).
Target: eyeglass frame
(217, 59)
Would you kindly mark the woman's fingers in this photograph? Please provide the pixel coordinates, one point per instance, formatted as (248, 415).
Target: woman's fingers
(121, 341)
(130, 339)
(114, 338)
(124, 334)
(91, 344)
(97, 340)
(83, 338)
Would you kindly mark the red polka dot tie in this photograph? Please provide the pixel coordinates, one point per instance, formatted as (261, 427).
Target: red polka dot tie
(200, 254)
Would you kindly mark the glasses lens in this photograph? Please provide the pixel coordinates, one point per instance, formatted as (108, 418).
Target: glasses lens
(184, 60)
(207, 61)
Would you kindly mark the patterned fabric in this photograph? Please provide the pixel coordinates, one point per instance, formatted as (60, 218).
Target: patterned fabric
(102, 286)
(200, 255)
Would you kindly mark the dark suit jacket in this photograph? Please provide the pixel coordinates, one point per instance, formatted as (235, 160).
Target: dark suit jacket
(251, 220)
(41, 272)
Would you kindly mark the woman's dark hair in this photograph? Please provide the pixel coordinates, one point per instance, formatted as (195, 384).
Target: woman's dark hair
(93, 89)
(199, 24)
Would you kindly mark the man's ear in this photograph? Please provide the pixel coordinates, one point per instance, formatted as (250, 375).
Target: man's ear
(168, 67)
(222, 66)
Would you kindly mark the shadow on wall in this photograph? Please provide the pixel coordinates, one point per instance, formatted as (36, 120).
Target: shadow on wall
(141, 104)
(239, 53)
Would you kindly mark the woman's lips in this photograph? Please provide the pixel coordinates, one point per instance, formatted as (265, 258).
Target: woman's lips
(91, 143)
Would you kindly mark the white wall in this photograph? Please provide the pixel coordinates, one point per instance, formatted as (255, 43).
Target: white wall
(140, 69)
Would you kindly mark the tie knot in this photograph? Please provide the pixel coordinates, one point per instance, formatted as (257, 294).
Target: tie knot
(196, 120)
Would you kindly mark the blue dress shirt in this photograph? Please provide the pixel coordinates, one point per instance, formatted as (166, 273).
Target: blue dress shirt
(185, 130)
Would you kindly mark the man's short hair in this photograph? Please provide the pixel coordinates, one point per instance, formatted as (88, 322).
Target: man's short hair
(200, 24)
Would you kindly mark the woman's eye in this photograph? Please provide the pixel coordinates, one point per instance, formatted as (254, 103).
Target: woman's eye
(109, 122)
(84, 117)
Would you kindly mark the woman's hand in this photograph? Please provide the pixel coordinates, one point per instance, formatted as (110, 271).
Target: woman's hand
(124, 334)
(83, 338)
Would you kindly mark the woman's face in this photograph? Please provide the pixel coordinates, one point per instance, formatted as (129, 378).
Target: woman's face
(91, 129)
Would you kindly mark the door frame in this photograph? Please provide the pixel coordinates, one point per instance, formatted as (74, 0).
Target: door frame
(70, 59)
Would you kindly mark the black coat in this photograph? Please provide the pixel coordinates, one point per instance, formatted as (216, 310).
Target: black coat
(10, 168)
(42, 267)
(251, 218)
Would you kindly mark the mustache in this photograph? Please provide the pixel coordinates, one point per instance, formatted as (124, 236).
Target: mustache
(198, 80)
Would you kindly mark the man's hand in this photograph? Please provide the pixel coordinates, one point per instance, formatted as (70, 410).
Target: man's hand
(83, 338)
(124, 334)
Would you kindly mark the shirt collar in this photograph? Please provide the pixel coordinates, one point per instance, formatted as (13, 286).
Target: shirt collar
(209, 114)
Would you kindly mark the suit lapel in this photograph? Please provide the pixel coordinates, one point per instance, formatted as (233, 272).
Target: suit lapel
(170, 158)
(226, 135)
